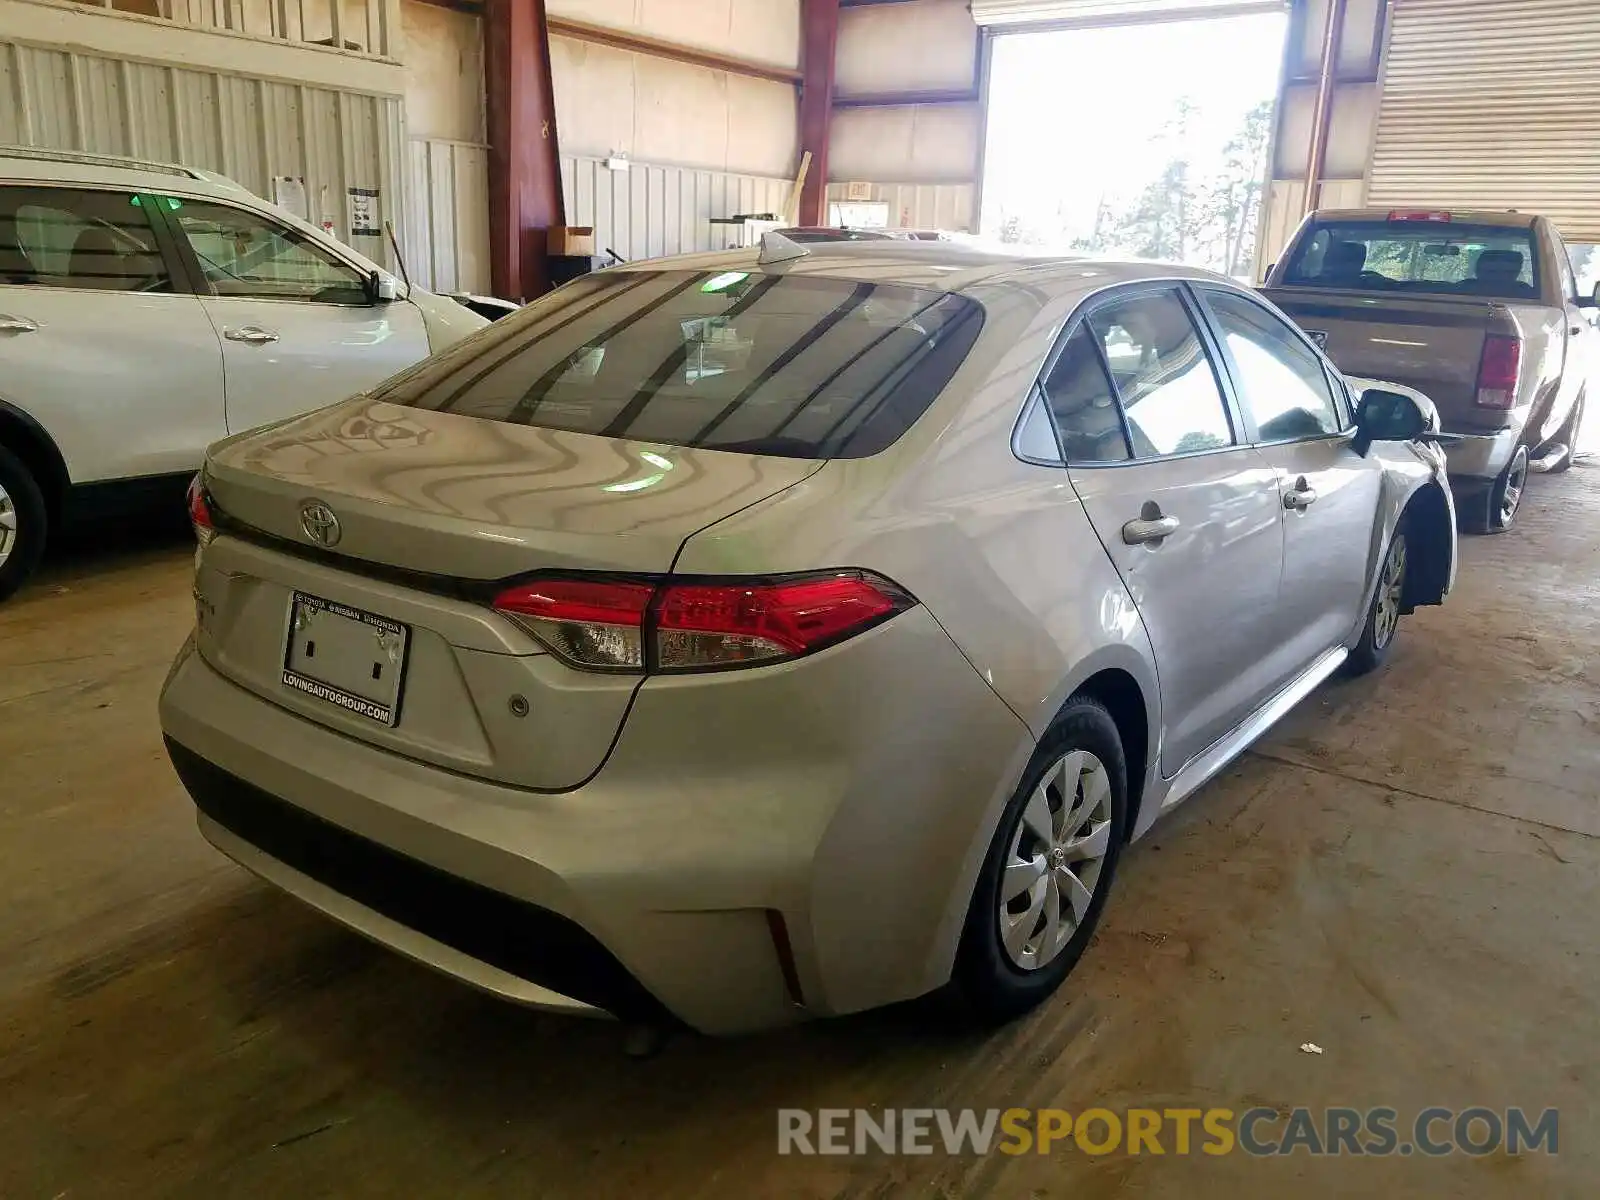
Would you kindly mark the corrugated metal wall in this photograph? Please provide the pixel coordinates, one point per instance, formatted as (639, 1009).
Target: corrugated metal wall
(1492, 106)
(447, 187)
(648, 211)
(947, 206)
(248, 129)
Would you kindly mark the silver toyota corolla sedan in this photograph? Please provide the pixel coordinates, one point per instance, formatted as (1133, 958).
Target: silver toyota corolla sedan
(767, 634)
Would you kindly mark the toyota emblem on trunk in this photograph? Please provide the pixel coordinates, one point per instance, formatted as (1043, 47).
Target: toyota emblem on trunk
(321, 526)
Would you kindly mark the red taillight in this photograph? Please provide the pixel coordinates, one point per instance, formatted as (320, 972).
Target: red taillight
(608, 625)
(592, 623)
(1498, 370)
(718, 625)
(200, 513)
(1406, 214)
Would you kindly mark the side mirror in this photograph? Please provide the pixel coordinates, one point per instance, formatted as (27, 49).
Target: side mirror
(1592, 300)
(381, 288)
(1393, 416)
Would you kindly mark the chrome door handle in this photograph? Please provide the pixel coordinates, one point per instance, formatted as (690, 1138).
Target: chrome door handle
(253, 334)
(1302, 497)
(1147, 530)
(10, 324)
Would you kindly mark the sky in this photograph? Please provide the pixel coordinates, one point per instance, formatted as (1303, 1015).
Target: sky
(1077, 113)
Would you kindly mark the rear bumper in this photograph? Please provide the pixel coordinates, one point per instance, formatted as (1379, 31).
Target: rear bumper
(830, 805)
(1476, 460)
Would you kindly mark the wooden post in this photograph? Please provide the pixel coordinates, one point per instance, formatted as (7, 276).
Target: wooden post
(819, 40)
(524, 167)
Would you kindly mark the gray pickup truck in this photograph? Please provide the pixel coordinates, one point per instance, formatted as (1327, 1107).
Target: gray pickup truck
(1477, 310)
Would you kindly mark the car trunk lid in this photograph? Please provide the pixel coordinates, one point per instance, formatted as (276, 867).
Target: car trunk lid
(388, 635)
(471, 499)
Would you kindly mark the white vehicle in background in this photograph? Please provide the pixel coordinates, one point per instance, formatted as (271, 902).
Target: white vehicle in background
(148, 310)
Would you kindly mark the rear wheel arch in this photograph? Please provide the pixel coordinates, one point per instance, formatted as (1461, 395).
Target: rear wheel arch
(1431, 541)
(1122, 697)
(27, 440)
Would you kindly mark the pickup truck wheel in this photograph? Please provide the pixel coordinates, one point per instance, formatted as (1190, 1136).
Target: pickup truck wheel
(1383, 615)
(1505, 495)
(22, 523)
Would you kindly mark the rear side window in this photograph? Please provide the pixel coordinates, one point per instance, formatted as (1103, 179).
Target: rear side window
(79, 238)
(1081, 401)
(794, 366)
(1418, 256)
(1169, 389)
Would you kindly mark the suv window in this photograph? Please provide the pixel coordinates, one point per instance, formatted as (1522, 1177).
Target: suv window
(1082, 402)
(789, 365)
(245, 255)
(1163, 375)
(79, 238)
(1282, 384)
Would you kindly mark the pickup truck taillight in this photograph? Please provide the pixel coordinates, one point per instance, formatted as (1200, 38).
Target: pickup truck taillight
(1498, 370)
(608, 624)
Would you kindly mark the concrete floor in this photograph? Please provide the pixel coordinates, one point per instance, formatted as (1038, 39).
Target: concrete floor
(1407, 873)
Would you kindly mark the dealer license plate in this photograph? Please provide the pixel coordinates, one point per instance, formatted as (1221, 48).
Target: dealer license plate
(346, 657)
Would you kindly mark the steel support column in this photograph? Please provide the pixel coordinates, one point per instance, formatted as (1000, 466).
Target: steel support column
(524, 170)
(819, 44)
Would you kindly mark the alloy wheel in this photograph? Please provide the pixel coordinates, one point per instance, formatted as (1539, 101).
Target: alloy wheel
(1391, 587)
(8, 525)
(1058, 854)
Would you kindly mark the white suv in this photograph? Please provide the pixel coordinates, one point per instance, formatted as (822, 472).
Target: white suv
(148, 310)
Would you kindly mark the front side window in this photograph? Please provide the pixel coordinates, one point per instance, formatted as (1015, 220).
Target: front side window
(1162, 373)
(245, 255)
(796, 366)
(79, 238)
(1282, 384)
(1441, 257)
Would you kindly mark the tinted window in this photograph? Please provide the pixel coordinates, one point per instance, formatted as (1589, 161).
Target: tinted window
(65, 237)
(1418, 256)
(1168, 388)
(1083, 405)
(1569, 281)
(1282, 384)
(794, 366)
(242, 254)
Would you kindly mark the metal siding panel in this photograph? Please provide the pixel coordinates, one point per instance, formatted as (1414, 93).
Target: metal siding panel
(1492, 106)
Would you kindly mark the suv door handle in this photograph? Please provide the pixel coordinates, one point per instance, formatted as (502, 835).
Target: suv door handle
(1302, 497)
(10, 324)
(253, 334)
(1151, 527)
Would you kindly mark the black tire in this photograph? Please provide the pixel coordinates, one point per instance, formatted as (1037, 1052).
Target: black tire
(21, 504)
(1382, 624)
(1568, 436)
(988, 981)
(1497, 509)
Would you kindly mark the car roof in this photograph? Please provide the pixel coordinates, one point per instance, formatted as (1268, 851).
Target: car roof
(1466, 216)
(940, 266)
(33, 163)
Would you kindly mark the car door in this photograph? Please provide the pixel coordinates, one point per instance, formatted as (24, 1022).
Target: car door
(100, 341)
(1187, 512)
(298, 324)
(1299, 421)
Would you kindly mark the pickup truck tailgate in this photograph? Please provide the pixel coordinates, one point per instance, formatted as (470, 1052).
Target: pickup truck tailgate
(1432, 344)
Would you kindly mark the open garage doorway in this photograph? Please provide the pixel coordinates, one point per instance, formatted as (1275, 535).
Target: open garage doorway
(1145, 139)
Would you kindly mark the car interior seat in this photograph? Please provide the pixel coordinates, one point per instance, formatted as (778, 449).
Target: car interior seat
(1498, 273)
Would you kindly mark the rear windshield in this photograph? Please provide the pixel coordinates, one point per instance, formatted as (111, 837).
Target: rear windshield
(766, 364)
(1418, 256)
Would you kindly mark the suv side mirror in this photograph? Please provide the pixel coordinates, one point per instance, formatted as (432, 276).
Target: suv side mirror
(1592, 300)
(1391, 416)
